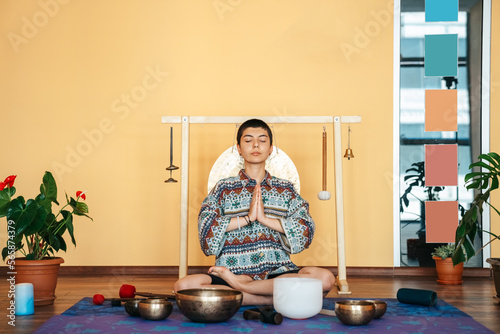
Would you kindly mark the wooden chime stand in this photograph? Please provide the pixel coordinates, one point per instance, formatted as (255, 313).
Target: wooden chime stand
(339, 198)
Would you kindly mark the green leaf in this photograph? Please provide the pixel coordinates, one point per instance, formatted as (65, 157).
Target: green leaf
(44, 202)
(54, 242)
(470, 175)
(473, 214)
(483, 165)
(37, 223)
(495, 156)
(5, 253)
(474, 185)
(5, 196)
(494, 183)
(49, 187)
(489, 159)
(62, 243)
(79, 208)
(30, 257)
(68, 221)
(458, 256)
(82, 207)
(469, 249)
(22, 214)
(460, 232)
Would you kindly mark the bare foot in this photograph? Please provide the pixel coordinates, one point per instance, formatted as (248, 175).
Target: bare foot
(235, 281)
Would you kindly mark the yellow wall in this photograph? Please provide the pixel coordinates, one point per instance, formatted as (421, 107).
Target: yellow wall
(83, 89)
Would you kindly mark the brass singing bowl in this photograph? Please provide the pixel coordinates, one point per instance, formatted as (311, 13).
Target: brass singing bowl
(155, 309)
(132, 307)
(208, 305)
(354, 312)
(380, 308)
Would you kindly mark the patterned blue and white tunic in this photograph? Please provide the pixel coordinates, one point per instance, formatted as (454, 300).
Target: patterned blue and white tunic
(254, 250)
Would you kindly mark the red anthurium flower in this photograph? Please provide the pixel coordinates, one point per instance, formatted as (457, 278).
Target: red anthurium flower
(81, 194)
(2, 185)
(9, 181)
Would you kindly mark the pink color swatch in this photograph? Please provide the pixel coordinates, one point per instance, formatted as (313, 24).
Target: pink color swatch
(441, 165)
(441, 221)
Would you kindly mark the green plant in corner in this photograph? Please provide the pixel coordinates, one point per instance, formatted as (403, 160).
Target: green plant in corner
(32, 228)
(444, 251)
(484, 181)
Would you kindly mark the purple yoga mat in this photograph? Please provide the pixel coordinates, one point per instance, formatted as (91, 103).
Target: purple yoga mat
(84, 317)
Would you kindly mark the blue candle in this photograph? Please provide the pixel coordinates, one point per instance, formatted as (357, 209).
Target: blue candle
(24, 299)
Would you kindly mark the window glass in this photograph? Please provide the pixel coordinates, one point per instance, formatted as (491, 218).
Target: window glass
(413, 83)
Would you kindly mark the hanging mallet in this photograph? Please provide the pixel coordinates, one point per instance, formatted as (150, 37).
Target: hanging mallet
(324, 195)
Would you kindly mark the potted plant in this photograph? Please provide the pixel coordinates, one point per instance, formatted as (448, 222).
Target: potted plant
(34, 231)
(415, 178)
(448, 273)
(483, 182)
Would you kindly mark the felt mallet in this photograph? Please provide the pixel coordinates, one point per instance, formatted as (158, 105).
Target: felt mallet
(266, 315)
(99, 299)
(127, 291)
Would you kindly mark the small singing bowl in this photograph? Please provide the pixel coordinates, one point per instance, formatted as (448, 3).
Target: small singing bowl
(380, 308)
(354, 312)
(155, 309)
(132, 307)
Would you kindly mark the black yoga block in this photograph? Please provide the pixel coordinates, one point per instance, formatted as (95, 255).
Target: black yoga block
(417, 297)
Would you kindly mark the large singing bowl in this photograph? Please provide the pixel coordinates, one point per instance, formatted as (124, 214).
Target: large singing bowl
(208, 305)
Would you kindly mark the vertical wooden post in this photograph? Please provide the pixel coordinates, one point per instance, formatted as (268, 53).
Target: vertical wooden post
(183, 260)
(339, 199)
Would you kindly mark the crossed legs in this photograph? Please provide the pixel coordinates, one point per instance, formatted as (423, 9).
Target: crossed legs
(255, 292)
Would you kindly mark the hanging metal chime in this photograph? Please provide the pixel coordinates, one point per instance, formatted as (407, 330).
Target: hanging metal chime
(171, 167)
(348, 152)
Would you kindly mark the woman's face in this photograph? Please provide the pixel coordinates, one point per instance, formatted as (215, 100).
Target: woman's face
(255, 145)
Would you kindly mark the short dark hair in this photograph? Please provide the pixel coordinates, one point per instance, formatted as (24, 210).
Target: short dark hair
(254, 123)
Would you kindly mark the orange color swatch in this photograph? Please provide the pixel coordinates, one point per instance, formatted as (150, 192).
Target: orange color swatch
(441, 221)
(441, 110)
(441, 165)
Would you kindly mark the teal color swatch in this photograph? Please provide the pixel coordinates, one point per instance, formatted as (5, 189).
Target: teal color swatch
(441, 10)
(441, 55)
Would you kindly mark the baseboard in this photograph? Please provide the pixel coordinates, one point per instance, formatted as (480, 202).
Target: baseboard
(174, 271)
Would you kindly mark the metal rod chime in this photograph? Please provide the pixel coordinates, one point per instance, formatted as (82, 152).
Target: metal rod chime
(171, 167)
(324, 195)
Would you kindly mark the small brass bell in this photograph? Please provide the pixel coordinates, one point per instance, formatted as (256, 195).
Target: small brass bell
(348, 154)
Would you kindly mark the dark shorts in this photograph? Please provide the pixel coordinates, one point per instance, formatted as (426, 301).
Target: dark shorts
(216, 280)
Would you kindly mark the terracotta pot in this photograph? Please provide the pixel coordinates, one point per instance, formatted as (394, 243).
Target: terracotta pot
(42, 274)
(447, 273)
(495, 264)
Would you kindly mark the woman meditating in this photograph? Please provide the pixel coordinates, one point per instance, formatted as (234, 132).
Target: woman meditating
(251, 223)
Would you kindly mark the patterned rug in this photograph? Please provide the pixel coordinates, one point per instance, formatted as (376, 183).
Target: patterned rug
(84, 317)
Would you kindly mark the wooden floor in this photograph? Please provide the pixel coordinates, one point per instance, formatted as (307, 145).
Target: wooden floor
(474, 297)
